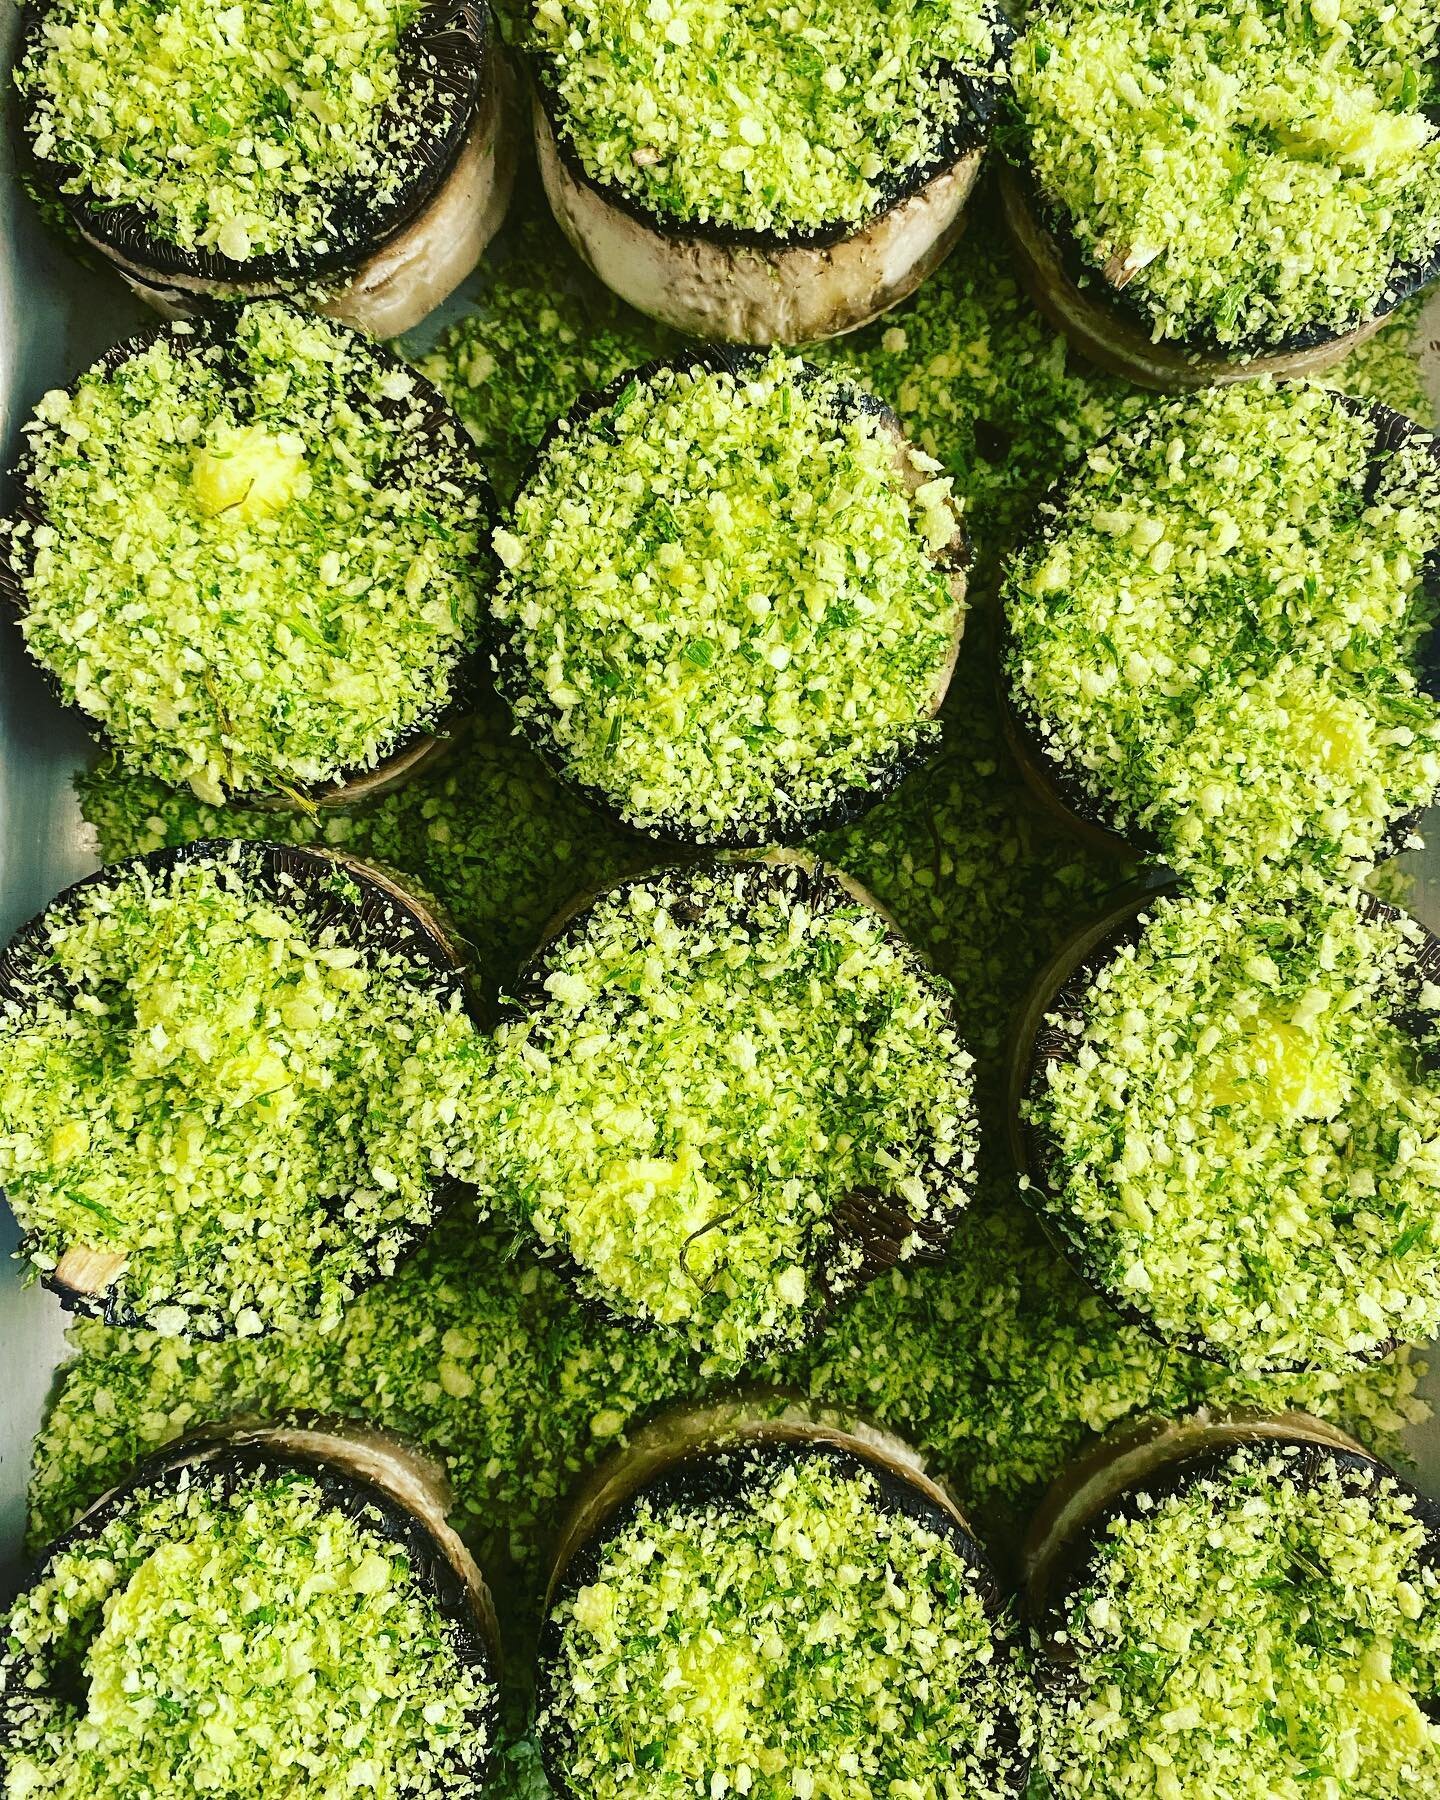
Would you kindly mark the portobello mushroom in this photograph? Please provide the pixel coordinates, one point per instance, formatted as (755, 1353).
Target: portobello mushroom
(1221, 642)
(254, 551)
(1166, 156)
(741, 185)
(228, 1080)
(1191, 1583)
(695, 1577)
(732, 600)
(1202, 1098)
(216, 157)
(266, 1608)
(727, 1097)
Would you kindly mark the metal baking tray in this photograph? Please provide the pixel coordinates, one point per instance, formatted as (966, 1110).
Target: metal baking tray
(55, 316)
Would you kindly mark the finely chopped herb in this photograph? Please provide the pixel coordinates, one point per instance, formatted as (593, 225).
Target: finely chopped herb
(798, 1638)
(253, 1104)
(713, 1063)
(724, 608)
(1265, 170)
(1001, 1364)
(251, 131)
(774, 118)
(250, 1637)
(1244, 1142)
(1271, 1631)
(1219, 629)
(254, 556)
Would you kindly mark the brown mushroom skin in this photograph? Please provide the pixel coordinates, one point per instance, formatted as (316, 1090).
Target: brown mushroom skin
(1153, 1454)
(702, 1441)
(1059, 989)
(359, 1466)
(869, 1227)
(83, 1279)
(952, 559)
(1114, 342)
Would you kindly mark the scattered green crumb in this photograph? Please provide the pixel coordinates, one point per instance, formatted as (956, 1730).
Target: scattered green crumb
(256, 554)
(772, 117)
(1385, 367)
(1270, 1631)
(1241, 1136)
(707, 1067)
(1217, 630)
(726, 605)
(254, 130)
(245, 1636)
(795, 1636)
(1000, 1364)
(489, 832)
(543, 332)
(1262, 170)
(228, 1081)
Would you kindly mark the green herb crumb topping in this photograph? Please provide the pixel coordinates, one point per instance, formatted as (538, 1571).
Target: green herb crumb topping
(1271, 1631)
(799, 1639)
(252, 1100)
(250, 1639)
(254, 558)
(1243, 1138)
(1258, 171)
(716, 1061)
(250, 131)
(781, 118)
(725, 608)
(1219, 629)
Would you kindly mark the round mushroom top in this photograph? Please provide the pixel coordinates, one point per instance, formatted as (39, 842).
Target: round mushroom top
(781, 119)
(254, 552)
(733, 1094)
(1234, 1120)
(260, 136)
(1221, 629)
(1266, 1626)
(1244, 177)
(251, 1631)
(730, 600)
(221, 1071)
(770, 1621)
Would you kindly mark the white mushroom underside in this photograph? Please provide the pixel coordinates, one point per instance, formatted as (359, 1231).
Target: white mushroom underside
(411, 274)
(1112, 341)
(794, 294)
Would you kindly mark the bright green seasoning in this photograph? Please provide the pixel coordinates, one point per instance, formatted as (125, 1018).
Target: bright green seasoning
(718, 1060)
(723, 607)
(774, 117)
(1219, 626)
(256, 560)
(1245, 1143)
(1269, 1632)
(799, 1641)
(252, 1107)
(1264, 168)
(248, 130)
(252, 1641)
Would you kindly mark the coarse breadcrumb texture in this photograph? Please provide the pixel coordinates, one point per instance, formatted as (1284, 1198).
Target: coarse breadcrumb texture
(250, 1103)
(722, 608)
(256, 559)
(251, 1639)
(777, 117)
(1271, 1631)
(248, 130)
(1243, 1141)
(720, 1060)
(1219, 629)
(797, 1639)
(1254, 172)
